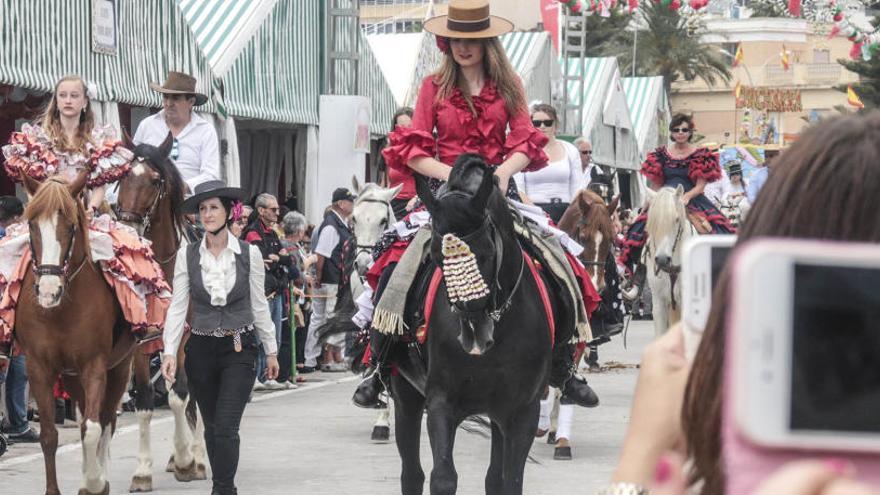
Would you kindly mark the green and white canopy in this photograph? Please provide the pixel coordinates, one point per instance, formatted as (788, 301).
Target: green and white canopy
(606, 120)
(649, 109)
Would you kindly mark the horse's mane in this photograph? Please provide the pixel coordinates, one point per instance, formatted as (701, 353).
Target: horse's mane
(175, 187)
(665, 210)
(367, 191)
(52, 198)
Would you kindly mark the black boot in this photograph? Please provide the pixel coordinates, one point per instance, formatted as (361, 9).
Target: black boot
(575, 390)
(369, 391)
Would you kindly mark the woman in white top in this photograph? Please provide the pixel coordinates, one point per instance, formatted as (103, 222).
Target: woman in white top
(221, 280)
(553, 187)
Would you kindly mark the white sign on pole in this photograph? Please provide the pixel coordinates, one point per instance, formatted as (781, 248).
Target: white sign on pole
(341, 146)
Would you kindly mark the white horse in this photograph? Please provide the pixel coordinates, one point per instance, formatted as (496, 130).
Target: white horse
(668, 228)
(371, 216)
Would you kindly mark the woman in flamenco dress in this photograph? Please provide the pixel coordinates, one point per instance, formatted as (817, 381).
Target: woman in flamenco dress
(470, 102)
(65, 142)
(683, 165)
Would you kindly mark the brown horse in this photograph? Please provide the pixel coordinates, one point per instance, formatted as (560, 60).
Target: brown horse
(69, 322)
(588, 220)
(149, 200)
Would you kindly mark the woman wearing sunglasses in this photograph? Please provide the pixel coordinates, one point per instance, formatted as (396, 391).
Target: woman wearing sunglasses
(552, 187)
(681, 164)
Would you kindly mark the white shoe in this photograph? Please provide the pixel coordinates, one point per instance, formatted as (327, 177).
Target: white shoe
(273, 385)
(259, 386)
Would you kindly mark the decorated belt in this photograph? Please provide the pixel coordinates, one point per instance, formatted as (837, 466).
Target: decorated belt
(220, 333)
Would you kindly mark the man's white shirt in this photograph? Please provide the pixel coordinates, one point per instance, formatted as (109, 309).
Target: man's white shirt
(198, 158)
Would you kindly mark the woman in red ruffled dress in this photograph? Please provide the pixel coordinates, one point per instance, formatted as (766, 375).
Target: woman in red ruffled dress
(64, 143)
(475, 104)
(679, 165)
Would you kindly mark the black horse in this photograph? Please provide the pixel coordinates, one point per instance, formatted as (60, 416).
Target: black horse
(488, 356)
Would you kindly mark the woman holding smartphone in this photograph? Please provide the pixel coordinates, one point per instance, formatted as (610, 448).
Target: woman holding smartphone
(221, 280)
(679, 404)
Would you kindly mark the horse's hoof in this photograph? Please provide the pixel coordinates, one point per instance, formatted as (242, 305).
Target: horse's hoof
(187, 474)
(141, 484)
(169, 468)
(381, 434)
(105, 491)
(551, 438)
(201, 472)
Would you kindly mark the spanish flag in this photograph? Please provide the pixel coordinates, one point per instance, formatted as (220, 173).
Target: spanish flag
(738, 57)
(786, 62)
(852, 98)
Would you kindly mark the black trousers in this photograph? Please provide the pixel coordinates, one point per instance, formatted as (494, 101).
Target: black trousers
(285, 355)
(221, 381)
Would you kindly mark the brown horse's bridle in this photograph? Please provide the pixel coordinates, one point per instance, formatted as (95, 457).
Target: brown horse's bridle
(145, 220)
(61, 270)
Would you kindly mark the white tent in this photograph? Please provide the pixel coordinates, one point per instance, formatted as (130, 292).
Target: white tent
(649, 109)
(606, 120)
(532, 57)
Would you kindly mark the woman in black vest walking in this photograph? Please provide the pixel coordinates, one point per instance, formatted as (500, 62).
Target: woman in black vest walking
(221, 278)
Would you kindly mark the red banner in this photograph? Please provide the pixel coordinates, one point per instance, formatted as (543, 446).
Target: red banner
(550, 18)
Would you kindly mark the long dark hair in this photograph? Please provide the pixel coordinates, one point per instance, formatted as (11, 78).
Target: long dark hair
(841, 154)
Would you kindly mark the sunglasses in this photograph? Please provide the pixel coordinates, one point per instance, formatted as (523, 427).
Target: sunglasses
(587, 152)
(681, 130)
(545, 123)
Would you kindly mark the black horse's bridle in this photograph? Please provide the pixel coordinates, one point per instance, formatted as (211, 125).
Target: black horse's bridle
(145, 220)
(672, 270)
(494, 309)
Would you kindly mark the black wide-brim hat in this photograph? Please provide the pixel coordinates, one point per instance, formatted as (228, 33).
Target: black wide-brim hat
(212, 189)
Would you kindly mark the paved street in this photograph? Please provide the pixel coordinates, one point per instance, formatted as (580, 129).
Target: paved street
(312, 440)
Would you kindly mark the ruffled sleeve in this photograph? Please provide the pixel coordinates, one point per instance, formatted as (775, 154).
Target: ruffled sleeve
(652, 168)
(524, 138)
(110, 160)
(703, 164)
(407, 143)
(29, 151)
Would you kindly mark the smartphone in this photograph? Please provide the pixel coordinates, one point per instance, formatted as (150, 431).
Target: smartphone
(805, 335)
(703, 259)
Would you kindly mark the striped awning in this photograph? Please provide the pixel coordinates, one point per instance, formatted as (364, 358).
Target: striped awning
(43, 40)
(276, 76)
(648, 104)
(531, 55)
(606, 121)
(372, 83)
(222, 28)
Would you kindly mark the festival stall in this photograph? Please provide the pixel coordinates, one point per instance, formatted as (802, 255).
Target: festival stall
(649, 109)
(533, 59)
(118, 51)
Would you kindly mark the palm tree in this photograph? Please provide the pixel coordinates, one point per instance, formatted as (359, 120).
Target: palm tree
(670, 47)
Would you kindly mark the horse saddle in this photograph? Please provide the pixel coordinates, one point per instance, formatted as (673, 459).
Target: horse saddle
(701, 225)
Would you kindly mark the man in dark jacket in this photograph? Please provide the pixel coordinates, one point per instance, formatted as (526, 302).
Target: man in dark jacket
(261, 233)
(330, 240)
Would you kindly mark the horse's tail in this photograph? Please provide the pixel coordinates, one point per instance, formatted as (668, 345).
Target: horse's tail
(340, 324)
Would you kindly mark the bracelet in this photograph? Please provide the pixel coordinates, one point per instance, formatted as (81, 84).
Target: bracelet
(623, 489)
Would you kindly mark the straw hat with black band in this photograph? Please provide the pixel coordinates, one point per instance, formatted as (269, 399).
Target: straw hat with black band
(212, 189)
(178, 83)
(468, 19)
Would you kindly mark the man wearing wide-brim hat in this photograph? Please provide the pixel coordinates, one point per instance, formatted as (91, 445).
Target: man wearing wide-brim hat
(195, 148)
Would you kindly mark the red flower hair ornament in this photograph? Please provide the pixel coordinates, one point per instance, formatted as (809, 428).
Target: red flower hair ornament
(237, 210)
(443, 44)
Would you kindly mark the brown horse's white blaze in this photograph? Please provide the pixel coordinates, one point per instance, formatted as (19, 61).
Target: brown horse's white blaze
(49, 287)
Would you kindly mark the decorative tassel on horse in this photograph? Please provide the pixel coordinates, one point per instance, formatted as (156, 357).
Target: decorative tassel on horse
(464, 282)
